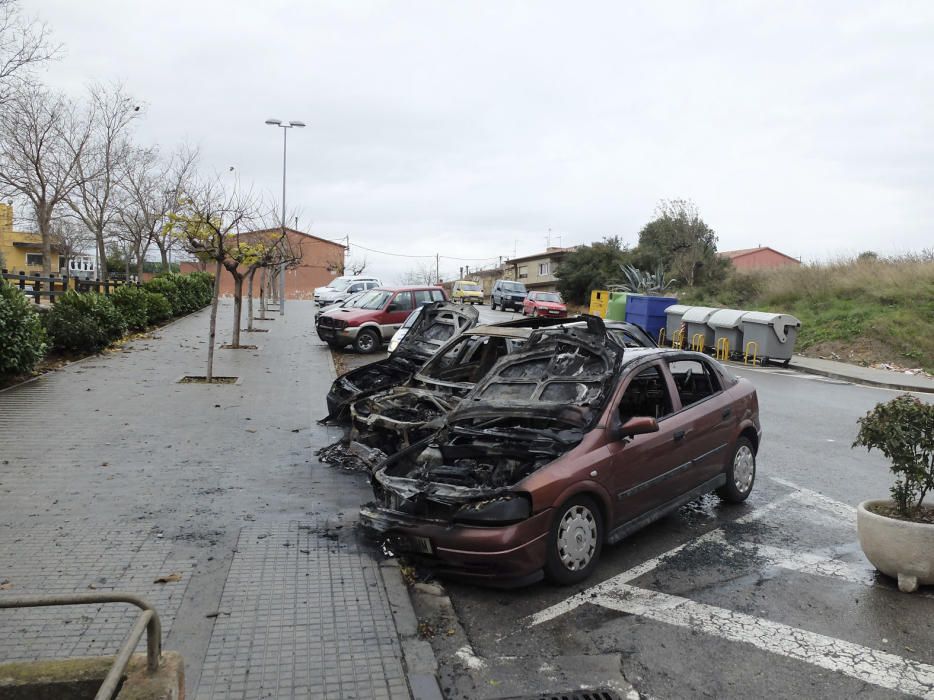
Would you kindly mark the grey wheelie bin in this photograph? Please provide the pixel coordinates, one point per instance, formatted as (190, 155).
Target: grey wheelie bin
(773, 334)
(728, 324)
(696, 319)
(673, 316)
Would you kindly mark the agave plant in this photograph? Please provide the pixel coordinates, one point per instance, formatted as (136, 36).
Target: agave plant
(639, 282)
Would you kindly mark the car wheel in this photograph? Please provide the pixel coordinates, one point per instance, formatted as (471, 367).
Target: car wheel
(492, 304)
(367, 341)
(574, 542)
(740, 474)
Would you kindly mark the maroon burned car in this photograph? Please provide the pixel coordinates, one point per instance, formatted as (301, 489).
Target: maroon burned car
(568, 445)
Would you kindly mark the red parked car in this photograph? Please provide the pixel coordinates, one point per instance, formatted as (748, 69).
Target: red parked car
(566, 446)
(374, 318)
(544, 304)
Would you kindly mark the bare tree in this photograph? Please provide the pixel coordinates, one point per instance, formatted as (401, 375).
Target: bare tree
(174, 181)
(23, 45)
(70, 238)
(422, 273)
(42, 140)
(101, 163)
(209, 220)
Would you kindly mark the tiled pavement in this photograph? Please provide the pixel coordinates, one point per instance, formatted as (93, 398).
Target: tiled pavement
(112, 475)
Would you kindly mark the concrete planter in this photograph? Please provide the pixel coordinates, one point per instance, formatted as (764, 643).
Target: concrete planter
(897, 548)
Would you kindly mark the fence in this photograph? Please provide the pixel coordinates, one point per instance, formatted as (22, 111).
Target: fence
(53, 286)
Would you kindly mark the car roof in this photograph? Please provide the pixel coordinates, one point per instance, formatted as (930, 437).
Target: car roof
(414, 288)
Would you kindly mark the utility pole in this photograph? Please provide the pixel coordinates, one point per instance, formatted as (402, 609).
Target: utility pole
(437, 268)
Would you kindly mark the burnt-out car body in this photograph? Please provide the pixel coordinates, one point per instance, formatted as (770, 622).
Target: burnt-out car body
(437, 324)
(569, 444)
(394, 419)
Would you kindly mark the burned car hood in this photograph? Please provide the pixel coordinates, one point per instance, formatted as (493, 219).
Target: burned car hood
(436, 325)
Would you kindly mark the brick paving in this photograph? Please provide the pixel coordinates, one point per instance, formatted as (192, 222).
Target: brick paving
(112, 474)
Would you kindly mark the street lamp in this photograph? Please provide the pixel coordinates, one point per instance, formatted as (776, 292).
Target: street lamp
(285, 127)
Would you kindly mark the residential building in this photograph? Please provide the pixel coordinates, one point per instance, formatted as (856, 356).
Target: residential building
(537, 272)
(320, 262)
(759, 258)
(21, 251)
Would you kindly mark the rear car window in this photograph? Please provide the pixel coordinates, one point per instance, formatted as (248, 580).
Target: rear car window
(422, 296)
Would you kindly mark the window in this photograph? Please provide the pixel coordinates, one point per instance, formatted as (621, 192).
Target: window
(695, 380)
(371, 285)
(33, 259)
(646, 395)
(61, 261)
(354, 288)
(403, 302)
(523, 271)
(437, 295)
(544, 269)
(422, 296)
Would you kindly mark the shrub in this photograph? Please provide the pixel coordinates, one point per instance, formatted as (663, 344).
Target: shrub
(903, 430)
(205, 286)
(158, 307)
(192, 290)
(84, 322)
(22, 338)
(168, 287)
(131, 303)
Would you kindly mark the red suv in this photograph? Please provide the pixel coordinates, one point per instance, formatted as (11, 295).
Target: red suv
(374, 318)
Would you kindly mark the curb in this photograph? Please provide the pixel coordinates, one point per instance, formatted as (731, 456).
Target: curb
(420, 661)
(860, 380)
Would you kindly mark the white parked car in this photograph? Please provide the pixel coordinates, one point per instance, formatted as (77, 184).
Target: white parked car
(343, 287)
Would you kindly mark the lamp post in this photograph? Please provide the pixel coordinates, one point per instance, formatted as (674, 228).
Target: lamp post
(285, 126)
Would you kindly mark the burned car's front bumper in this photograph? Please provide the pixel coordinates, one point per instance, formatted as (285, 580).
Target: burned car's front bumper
(504, 555)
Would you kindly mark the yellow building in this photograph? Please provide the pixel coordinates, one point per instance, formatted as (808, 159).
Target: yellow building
(21, 251)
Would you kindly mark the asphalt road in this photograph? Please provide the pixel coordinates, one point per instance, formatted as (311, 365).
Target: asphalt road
(770, 597)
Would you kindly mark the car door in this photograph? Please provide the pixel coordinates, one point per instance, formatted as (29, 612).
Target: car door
(399, 308)
(704, 416)
(642, 466)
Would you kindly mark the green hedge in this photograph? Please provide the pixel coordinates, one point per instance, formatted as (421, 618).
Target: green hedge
(22, 338)
(132, 303)
(84, 322)
(186, 293)
(158, 307)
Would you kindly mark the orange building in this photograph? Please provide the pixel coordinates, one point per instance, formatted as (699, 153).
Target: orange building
(320, 262)
(761, 258)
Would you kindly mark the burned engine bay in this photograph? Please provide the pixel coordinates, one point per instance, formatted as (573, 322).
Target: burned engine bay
(534, 406)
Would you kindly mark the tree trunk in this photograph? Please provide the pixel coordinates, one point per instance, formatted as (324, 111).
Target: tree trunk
(262, 294)
(44, 219)
(238, 304)
(139, 267)
(165, 256)
(102, 257)
(213, 332)
(126, 264)
(249, 300)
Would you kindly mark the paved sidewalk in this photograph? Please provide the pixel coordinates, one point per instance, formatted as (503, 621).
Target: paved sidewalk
(112, 475)
(885, 378)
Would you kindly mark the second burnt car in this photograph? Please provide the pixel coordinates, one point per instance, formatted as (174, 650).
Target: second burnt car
(565, 446)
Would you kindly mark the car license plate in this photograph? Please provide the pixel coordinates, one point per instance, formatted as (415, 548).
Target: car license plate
(410, 543)
(553, 311)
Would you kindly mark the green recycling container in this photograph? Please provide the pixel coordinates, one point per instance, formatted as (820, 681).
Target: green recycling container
(616, 309)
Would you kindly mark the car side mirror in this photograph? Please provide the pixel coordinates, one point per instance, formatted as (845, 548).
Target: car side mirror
(393, 307)
(638, 425)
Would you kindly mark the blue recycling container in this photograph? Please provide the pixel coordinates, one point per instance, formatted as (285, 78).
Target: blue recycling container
(648, 312)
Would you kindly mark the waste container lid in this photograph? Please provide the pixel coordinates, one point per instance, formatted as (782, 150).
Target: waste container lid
(779, 322)
(726, 318)
(676, 309)
(697, 314)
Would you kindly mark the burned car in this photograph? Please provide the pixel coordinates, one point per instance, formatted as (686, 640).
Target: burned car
(569, 444)
(438, 323)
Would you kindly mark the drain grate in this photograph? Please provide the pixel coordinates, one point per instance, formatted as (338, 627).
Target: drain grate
(572, 695)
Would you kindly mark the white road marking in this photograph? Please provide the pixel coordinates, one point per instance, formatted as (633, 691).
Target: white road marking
(866, 664)
(879, 668)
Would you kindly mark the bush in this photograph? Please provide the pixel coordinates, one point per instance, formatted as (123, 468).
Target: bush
(22, 338)
(168, 288)
(186, 293)
(158, 307)
(84, 322)
(903, 430)
(131, 303)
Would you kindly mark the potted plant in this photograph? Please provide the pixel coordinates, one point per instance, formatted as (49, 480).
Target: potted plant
(897, 535)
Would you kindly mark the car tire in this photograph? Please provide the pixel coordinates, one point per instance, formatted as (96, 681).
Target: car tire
(740, 473)
(367, 341)
(574, 541)
(492, 304)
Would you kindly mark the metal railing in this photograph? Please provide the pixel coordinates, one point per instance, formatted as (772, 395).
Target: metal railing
(147, 621)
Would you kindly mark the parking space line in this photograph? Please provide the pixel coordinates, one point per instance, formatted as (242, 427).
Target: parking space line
(879, 668)
(838, 508)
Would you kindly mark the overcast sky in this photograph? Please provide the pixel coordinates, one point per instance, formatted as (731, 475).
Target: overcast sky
(470, 129)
